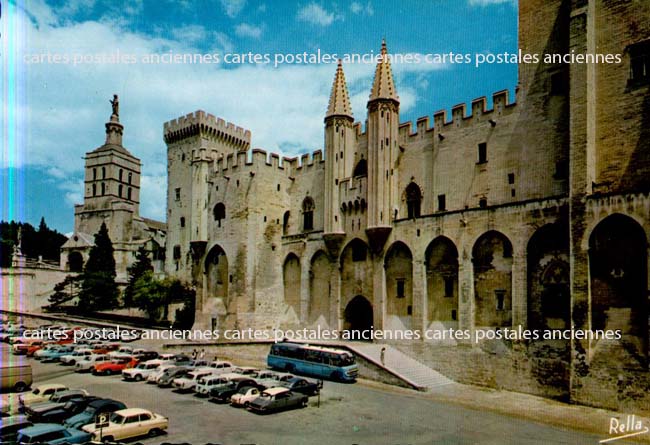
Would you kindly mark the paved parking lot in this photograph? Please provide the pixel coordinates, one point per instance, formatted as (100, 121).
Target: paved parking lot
(348, 414)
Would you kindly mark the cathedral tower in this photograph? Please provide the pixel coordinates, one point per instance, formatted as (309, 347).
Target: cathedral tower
(382, 129)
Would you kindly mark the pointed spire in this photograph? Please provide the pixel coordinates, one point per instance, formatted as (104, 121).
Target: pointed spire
(339, 104)
(383, 87)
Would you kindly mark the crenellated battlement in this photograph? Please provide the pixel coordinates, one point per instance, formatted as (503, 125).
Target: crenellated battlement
(258, 159)
(202, 123)
(478, 112)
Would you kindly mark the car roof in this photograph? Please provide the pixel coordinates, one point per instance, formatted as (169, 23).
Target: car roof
(102, 402)
(132, 411)
(51, 386)
(13, 420)
(274, 391)
(41, 428)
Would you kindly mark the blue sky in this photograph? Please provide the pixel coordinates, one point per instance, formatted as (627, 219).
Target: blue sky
(58, 111)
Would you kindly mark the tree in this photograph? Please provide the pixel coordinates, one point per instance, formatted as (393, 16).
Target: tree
(150, 295)
(154, 297)
(138, 269)
(98, 288)
(65, 290)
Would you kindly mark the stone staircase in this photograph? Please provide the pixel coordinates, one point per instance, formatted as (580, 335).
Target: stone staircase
(401, 365)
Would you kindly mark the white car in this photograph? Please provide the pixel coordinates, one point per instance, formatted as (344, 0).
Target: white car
(130, 422)
(89, 362)
(40, 394)
(124, 350)
(207, 382)
(141, 371)
(188, 383)
(221, 367)
(75, 356)
(244, 396)
(155, 376)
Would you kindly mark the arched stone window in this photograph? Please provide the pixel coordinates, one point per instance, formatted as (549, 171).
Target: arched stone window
(285, 222)
(103, 172)
(219, 213)
(128, 193)
(94, 189)
(119, 190)
(130, 177)
(120, 175)
(103, 189)
(413, 200)
(308, 207)
(361, 168)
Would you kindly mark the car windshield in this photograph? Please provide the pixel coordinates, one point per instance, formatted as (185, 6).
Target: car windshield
(142, 366)
(117, 418)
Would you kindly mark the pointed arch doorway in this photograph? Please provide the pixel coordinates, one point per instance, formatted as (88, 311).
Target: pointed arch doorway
(358, 317)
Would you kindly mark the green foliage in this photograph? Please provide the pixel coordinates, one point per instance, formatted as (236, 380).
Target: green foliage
(137, 270)
(44, 242)
(98, 288)
(65, 290)
(154, 296)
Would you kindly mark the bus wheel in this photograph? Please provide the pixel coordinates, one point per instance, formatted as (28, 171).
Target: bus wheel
(20, 387)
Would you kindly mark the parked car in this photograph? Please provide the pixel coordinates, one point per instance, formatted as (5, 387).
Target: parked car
(303, 386)
(9, 427)
(91, 411)
(182, 360)
(222, 393)
(221, 367)
(244, 396)
(130, 422)
(47, 349)
(154, 376)
(275, 379)
(22, 347)
(121, 351)
(40, 394)
(52, 434)
(245, 370)
(188, 382)
(16, 376)
(209, 381)
(115, 366)
(55, 354)
(167, 378)
(89, 362)
(141, 370)
(144, 356)
(60, 407)
(106, 348)
(276, 399)
(75, 356)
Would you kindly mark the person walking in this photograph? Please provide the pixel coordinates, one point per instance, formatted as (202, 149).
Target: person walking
(382, 356)
(195, 353)
(202, 354)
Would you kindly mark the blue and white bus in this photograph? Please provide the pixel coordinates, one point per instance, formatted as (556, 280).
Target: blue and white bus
(317, 361)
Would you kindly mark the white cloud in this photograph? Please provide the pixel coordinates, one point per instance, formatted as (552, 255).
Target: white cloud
(315, 14)
(189, 33)
(491, 2)
(67, 105)
(358, 8)
(246, 30)
(233, 7)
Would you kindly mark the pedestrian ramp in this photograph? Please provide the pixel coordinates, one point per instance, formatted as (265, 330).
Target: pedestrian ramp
(400, 365)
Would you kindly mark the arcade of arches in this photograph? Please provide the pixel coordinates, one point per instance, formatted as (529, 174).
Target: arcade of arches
(618, 283)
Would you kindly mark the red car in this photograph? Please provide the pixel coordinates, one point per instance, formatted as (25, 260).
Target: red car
(115, 366)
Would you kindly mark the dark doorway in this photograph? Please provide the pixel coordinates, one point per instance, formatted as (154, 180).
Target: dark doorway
(358, 318)
(75, 262)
